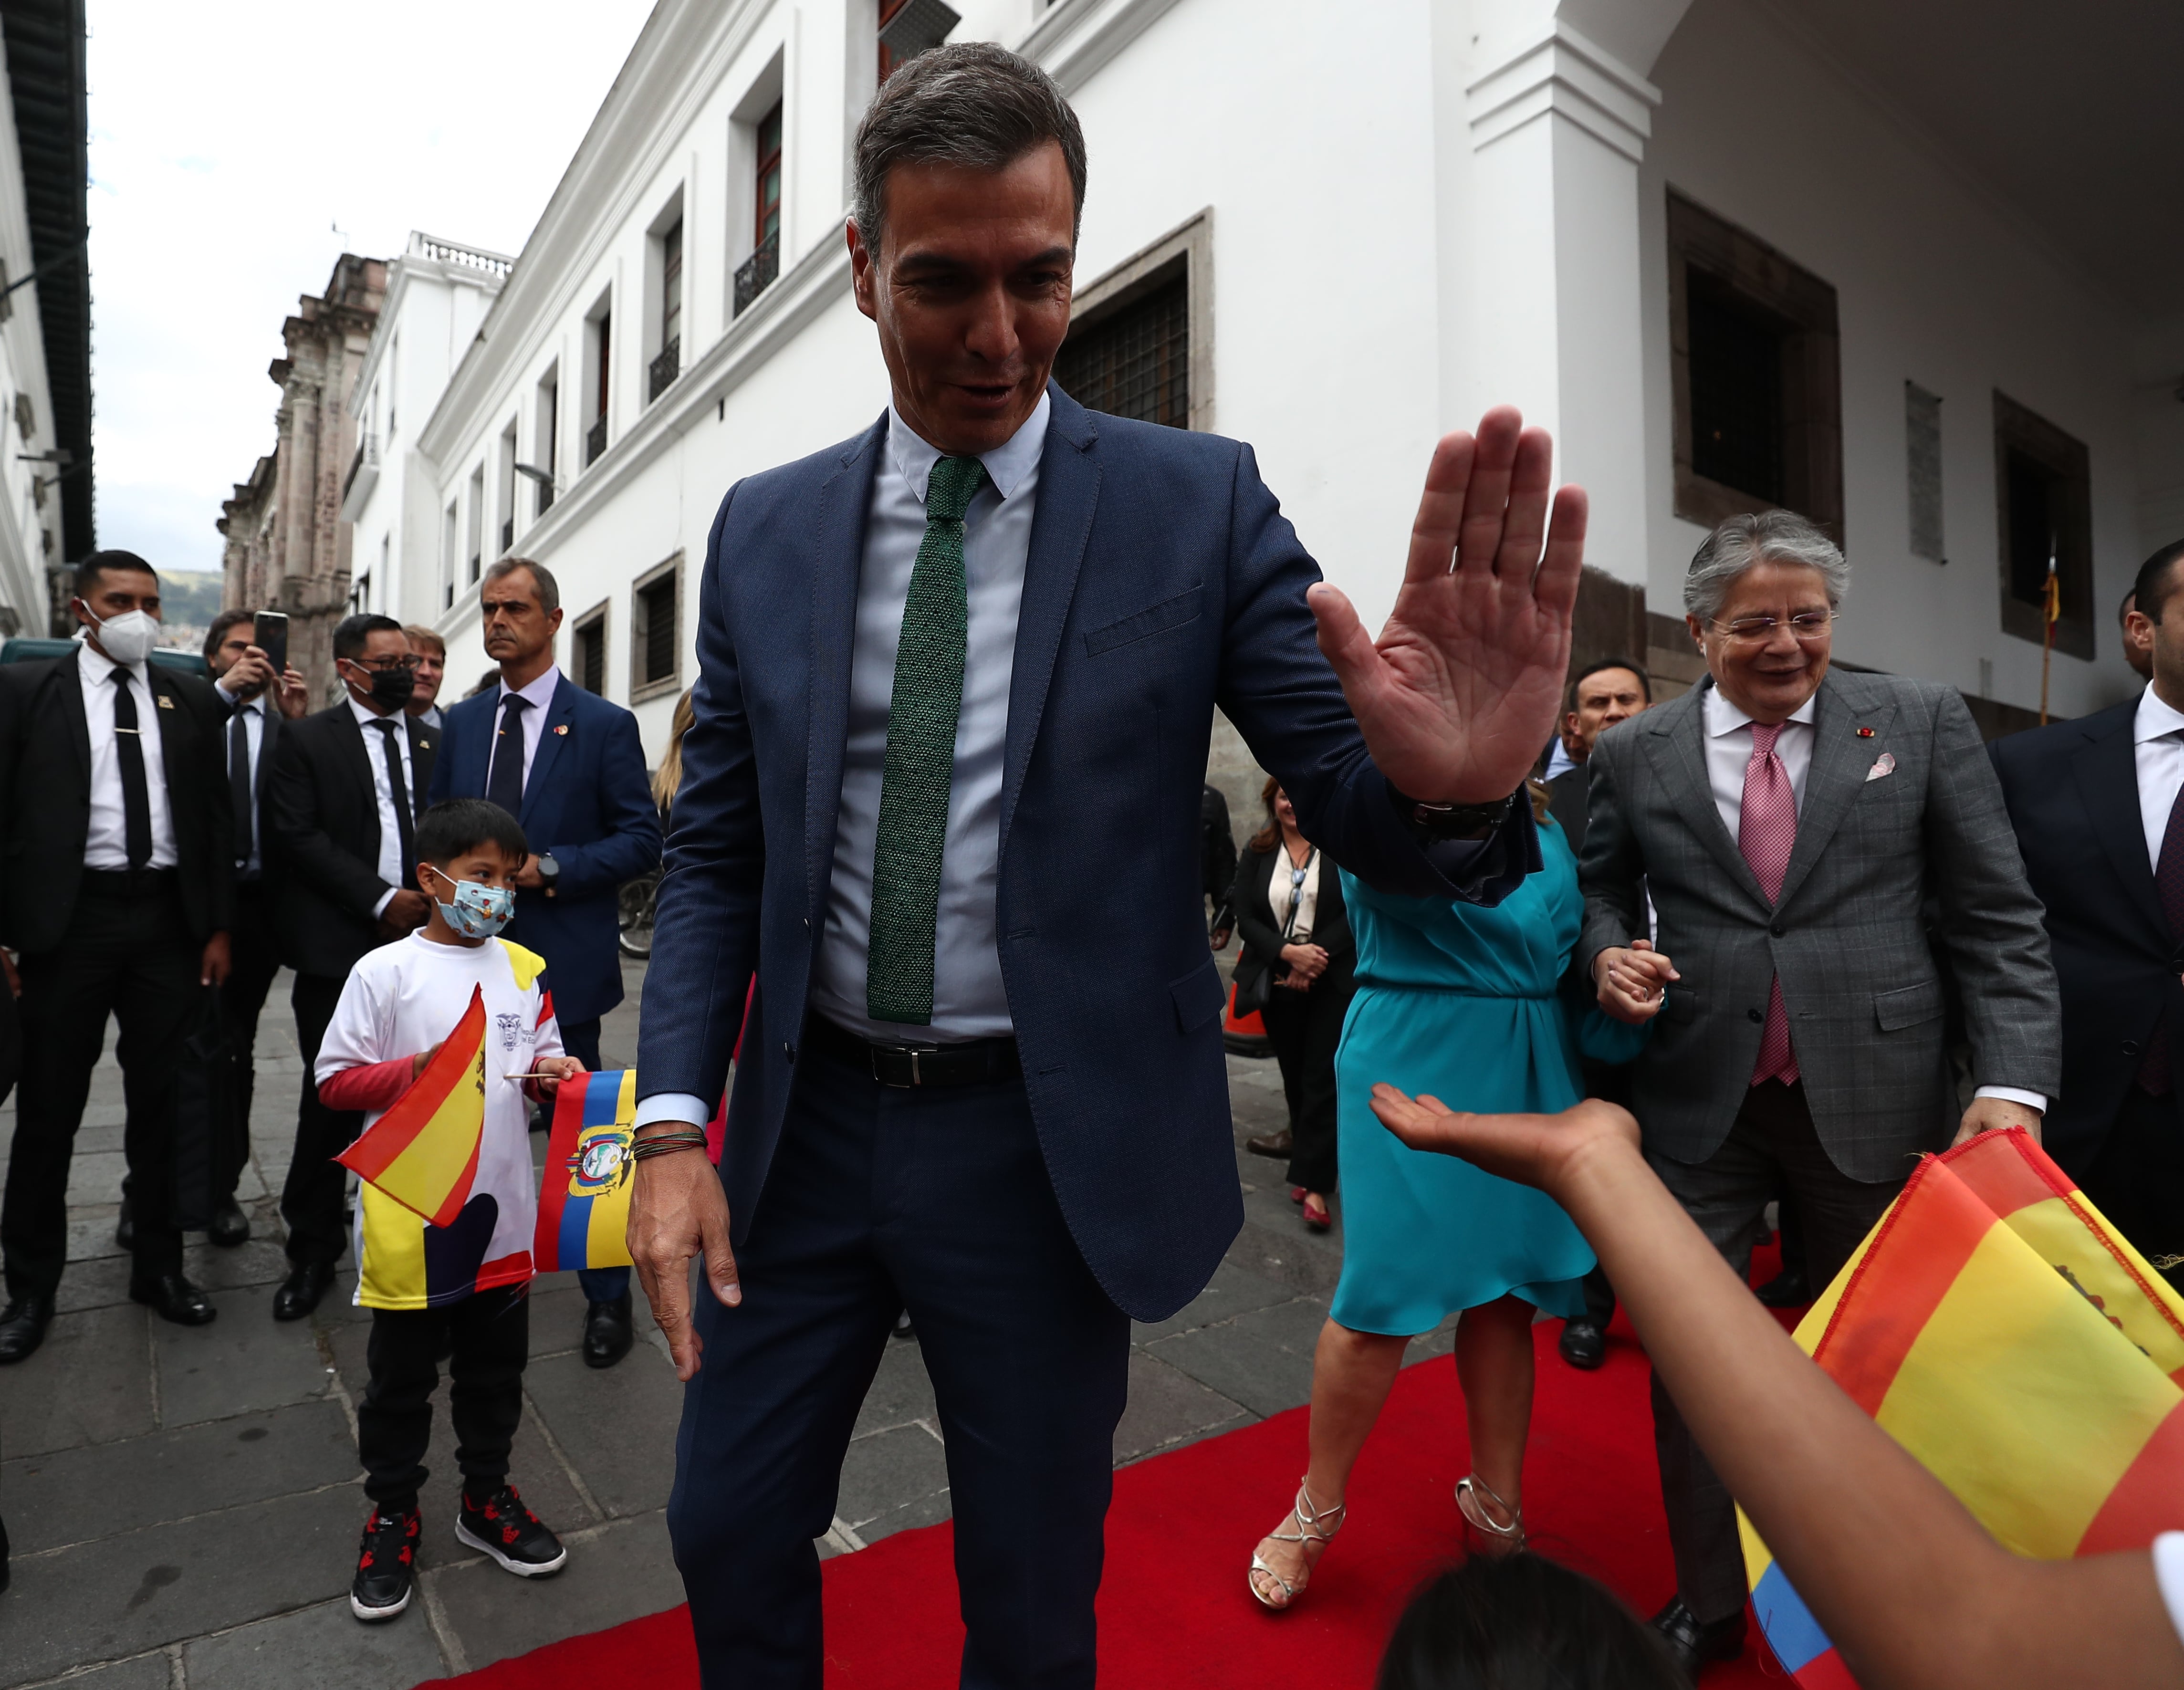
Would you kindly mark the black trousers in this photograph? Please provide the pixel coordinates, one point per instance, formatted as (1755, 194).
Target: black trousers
(1304, 1027)
(256, 961)
(128, 954)
(311, 1197)
(936, 1199)
(2137, 1180)
(1771, 1148)
(491, 1332)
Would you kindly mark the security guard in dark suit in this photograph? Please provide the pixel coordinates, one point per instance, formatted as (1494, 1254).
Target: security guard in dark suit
(118, 900)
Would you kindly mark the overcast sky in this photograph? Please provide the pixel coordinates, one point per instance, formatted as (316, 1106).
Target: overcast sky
(230, 140)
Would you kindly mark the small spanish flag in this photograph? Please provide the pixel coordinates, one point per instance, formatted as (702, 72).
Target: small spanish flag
(423, 1152)
(583, 1202)
(2001, 1330)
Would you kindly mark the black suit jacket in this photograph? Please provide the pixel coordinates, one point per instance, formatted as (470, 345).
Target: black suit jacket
(321, 816)
(1566, 802)
(45, 798)
(1262, 935)
(261, 784)
(2072, 790)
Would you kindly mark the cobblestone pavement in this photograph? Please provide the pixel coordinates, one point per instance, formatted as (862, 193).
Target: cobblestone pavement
(184, 1503)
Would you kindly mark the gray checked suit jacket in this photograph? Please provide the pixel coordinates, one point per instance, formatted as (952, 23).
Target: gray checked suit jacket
(1861, 973)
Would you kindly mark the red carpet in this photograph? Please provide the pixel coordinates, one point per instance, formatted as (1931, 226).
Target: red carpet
(1174, 1610)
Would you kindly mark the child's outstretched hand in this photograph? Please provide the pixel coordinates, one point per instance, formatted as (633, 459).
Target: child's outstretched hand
(1532, 1150)
(551, 1071)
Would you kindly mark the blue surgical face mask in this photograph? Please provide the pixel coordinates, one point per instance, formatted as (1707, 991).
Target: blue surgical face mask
(479, 912)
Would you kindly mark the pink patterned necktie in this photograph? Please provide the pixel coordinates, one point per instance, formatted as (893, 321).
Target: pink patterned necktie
(1766, 831)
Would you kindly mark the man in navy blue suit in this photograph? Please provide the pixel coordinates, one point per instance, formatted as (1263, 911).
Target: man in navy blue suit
(956, 682)
(571, 767)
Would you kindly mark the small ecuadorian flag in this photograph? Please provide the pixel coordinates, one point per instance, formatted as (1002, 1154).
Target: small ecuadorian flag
(1999, 1329)
(583, 1203)
(423, 1152)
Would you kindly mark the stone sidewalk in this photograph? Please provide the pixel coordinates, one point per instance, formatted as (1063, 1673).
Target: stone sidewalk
(184, 1503)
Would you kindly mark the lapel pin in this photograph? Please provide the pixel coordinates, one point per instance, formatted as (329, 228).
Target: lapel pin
(1885, 765)
(1865, 734)
(165, 703)
(562, 728)
(424, 745)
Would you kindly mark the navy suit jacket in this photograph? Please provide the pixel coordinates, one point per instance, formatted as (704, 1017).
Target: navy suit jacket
(1161, 581)
(587, 806)
(2072, 789)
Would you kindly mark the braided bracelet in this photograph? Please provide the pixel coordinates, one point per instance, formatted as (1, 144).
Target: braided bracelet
(666, 1144)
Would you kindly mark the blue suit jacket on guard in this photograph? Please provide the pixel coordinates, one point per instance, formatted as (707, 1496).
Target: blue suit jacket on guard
(587, 804)
(1161, 581)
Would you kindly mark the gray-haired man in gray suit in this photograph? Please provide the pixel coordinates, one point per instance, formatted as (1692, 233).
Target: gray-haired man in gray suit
(1790, 824)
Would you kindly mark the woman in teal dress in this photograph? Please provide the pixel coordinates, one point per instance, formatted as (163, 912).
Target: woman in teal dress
(1460, 1003)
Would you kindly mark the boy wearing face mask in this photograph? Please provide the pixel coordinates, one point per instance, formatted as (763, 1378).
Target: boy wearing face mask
(463, 1285)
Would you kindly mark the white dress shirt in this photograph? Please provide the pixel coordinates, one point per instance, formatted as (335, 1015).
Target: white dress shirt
(1729, 753)
(538, 695)
(390, 867)
(106, 843)
(969, 1000)
(2157, 735)
(251, 714)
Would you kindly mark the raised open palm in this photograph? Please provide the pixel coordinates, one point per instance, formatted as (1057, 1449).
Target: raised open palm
(1460, 690)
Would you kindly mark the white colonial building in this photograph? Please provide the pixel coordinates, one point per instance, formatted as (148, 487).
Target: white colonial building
(1909, 266)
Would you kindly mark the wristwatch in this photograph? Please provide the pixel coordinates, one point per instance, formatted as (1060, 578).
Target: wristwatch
(1431, 823)
(549, 873)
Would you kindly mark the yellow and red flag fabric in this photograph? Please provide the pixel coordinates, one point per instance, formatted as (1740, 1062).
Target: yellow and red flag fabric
(583, 1200)
(423, 1152)
(2002, 1331)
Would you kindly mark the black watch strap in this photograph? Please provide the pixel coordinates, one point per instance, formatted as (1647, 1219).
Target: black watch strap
(1431, 823)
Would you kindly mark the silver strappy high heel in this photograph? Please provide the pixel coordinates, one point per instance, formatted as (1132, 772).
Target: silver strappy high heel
(1472, 1496)
(1314, 1526)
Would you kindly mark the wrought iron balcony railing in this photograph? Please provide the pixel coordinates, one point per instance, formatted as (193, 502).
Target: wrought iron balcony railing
(664, 368)
(756, 273)
(595, 442)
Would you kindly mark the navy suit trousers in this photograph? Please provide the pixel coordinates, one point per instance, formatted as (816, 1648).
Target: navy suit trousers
(880, 1199)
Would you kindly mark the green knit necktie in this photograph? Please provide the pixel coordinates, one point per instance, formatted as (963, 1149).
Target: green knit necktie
(920, 756)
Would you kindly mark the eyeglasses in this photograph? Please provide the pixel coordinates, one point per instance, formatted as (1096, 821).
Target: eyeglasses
(1808, 626)
(383, 665)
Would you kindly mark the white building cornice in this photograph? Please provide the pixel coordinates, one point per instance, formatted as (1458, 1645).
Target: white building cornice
(1073, 39)
(1564, 72)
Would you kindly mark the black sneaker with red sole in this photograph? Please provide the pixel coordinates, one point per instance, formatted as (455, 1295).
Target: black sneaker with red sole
(386, 1563)
(500, 1524)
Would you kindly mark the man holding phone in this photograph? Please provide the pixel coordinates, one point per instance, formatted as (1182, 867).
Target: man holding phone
(248, 652)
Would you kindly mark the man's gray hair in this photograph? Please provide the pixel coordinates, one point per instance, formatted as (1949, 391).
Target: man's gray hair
(970, 104)
(1772, 536)
(549, 591)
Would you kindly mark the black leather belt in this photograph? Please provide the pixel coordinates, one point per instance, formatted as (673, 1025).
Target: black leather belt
(129, 882)
(977, 1062)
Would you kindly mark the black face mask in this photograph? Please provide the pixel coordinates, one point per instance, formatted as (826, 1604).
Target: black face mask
(391, 688)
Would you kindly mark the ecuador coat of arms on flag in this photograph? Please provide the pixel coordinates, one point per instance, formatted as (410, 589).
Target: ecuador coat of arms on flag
(1995, 1326)
(583, 1199)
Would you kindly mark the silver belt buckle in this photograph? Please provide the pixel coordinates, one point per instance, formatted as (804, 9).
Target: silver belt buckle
(913, 1051)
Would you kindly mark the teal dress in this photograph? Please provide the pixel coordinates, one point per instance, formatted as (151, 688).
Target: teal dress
(1460, 1002)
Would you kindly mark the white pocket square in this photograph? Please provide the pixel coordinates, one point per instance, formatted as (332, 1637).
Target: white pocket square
(1885, 764)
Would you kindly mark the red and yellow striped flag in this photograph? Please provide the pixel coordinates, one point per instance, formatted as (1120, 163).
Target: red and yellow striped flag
(423, 1152)
(2002, 1331)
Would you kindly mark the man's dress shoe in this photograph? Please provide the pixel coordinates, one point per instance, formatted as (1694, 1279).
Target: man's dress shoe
(1583, 1344)
(300, 1291)
(229, 1225)
(1789, 1289)
(1279, 1145)
(125, 1229)
(23, 1326)
(607, 1331)
(1694, 1642)
(172, 1297)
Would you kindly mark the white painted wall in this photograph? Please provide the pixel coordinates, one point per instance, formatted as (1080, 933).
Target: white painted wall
(1937, 282)
(24, 522)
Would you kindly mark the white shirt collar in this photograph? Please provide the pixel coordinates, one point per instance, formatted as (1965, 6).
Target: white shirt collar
(367, 717)
(1724, 718)
(2156, 718)
(1006, 464)
(136, 669)
(539, 693)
